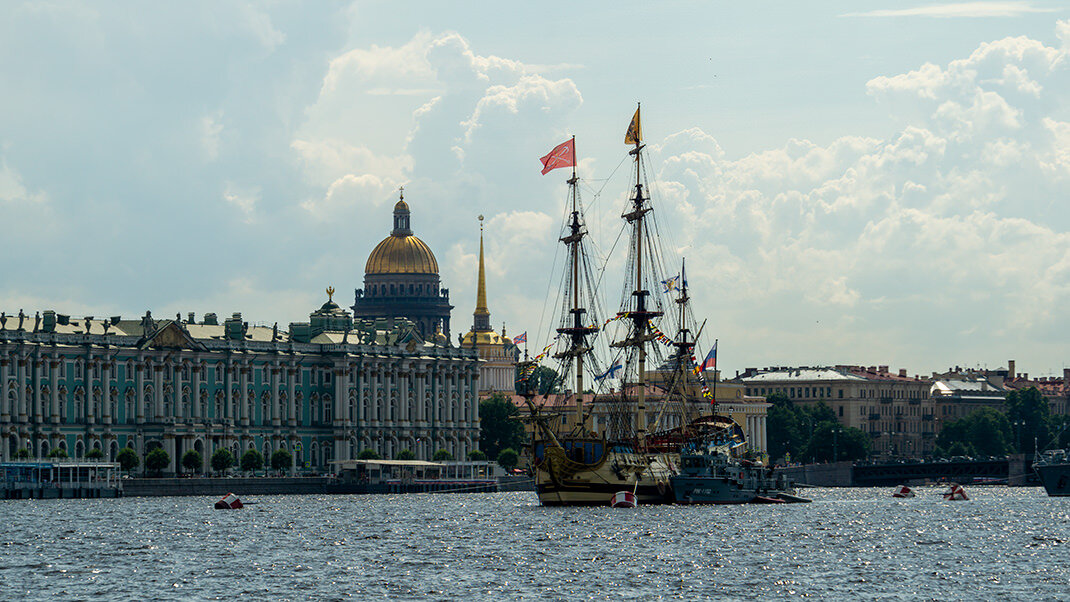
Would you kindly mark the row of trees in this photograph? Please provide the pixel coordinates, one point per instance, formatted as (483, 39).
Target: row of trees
(1025, 426)
(811, 433)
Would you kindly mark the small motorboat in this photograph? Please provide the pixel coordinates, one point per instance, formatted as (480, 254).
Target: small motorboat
(624, 499)
(229, 502)
(903, 491)
(956, 493)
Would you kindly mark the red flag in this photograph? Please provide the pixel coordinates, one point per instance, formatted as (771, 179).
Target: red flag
(563, 155)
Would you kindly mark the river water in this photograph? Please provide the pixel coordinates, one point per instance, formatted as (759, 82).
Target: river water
(848, 544)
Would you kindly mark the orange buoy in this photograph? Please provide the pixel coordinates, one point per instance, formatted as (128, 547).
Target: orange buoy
(229, 502)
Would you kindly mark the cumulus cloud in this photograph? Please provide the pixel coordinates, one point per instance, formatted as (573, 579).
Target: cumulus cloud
(455, 109)
(949, 221)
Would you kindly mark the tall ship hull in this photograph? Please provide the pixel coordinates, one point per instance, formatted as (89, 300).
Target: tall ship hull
(560, 481)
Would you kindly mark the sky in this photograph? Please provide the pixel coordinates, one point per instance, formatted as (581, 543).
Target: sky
(862, 182)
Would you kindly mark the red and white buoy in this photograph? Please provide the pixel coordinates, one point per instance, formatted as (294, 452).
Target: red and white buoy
(903, 491)
(956, 493)
(624, 499)
(229, 502)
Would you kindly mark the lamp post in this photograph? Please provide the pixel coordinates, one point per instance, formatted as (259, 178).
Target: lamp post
(1018, 424)
(835, 447)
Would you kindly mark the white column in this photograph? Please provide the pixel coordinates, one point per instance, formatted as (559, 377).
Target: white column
(139, 401)
(105, 392)
(20, 388)
(274, 380)
(37, 363)
(157, 377)
(5, 408)
(54, 402)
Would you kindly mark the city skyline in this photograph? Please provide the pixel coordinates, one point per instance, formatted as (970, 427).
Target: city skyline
(850, 184)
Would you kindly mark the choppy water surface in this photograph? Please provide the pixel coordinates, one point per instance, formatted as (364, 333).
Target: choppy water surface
(849, 543)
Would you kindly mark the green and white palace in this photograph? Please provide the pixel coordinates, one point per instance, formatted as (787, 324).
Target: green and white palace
(387, 379)
(324, 390)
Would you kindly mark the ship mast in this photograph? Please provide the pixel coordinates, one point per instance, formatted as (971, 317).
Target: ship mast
(575, 329)
(640, 317)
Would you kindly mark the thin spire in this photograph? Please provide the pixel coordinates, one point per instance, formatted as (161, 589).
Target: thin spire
(482, 313)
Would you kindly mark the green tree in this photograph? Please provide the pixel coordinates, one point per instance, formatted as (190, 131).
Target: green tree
(95, 454)
(252, 460)
(192, 460)
(783, 434)
(984, 431)
(508, 458)
(127, 459)
(499, 427)
(22, 453)
(369, 454)
(989, 432)
(281, 459)
(222, 459)
(477, 456)
(443, 456)
(834, 442)
(543, 380)
(1030, 416)
(406, 454)
(157, 460)
(57, 452)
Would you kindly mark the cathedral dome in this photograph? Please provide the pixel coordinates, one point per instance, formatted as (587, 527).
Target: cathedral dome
(401, 252)
(401, 255)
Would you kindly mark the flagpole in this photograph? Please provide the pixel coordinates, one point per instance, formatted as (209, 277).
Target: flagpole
(715, 378)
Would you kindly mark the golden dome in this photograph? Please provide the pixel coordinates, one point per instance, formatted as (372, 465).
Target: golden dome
(401, 255)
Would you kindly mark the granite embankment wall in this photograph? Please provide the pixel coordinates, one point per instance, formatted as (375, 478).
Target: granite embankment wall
(835, 474)
(220, 487)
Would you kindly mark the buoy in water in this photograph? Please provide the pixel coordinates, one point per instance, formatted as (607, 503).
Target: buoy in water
(229, 502)
(956, 493)
(903, 491)
(623, 499)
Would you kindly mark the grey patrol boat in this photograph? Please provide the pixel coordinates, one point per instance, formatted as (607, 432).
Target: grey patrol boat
(711, 474)
(1053, 468)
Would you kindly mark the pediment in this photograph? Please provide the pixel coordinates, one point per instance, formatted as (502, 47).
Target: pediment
(170, 336)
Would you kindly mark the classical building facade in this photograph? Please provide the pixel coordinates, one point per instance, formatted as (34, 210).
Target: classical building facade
(497, 373)
(324, 389)
(401, 281)
(895, 409)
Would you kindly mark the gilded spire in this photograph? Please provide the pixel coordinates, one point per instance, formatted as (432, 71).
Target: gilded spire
(482, 313)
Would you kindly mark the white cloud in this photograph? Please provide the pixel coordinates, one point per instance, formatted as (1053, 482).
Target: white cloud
(12, 190)
(245, 199)
(211, 127)
(959, 9)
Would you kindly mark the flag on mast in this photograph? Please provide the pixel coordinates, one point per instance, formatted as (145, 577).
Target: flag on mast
(711, 359)
(634, 135)
(671, 284)
(521, 338)
(563, 155)
(611, 373)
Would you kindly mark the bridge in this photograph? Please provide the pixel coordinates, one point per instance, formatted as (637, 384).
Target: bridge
(962, 471)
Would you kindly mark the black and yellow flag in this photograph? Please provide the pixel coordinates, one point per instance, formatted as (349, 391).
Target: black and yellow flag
(635, 133)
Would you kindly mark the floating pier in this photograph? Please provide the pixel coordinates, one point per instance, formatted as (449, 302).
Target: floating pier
(58, 479)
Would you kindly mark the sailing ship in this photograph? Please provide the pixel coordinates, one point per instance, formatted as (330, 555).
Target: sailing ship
(636, 450)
